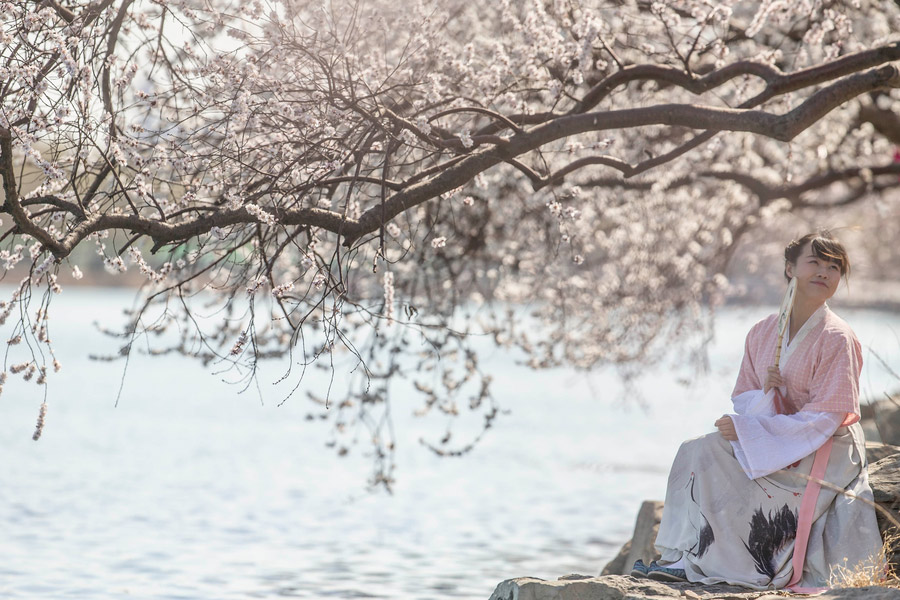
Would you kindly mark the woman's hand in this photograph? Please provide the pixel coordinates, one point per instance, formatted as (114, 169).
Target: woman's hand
(726, 427)
(774, 379)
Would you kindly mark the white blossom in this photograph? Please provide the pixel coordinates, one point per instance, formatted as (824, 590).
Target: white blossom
(39, 427)
(466, 138)
(283, 289)
(388, 283)
(238, 346)
(262, 215)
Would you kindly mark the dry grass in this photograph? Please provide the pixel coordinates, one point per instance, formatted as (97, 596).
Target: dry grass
(876, 571)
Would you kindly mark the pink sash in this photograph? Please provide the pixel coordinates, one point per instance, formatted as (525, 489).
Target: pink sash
(807, 512)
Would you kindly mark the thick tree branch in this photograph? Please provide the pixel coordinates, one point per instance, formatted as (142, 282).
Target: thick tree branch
(781, 127)
(796, 121)
(54, 201)
(677, 77)
(826, 179)
(832, 96)
(608, 161)
(64, 13)
(500, 119)
(163, 233)
(767, 193)
(777, 81)
(11, 202)
(783, 84)
(840, 67)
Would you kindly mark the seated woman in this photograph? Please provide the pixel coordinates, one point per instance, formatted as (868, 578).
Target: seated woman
(742, 504)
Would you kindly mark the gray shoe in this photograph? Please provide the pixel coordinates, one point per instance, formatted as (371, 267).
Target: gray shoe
(659, 573)
(640, 569)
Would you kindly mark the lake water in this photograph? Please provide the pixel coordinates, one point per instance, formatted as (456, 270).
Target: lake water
(189, 490)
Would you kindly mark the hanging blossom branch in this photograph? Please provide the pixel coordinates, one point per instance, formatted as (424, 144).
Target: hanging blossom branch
(366, 171)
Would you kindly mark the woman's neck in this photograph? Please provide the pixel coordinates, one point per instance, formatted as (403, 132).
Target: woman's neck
(801, 312)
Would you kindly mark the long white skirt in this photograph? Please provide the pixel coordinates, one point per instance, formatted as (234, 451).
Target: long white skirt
(732, 529)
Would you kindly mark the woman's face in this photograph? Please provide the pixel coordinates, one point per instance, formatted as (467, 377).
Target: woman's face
(817, 278)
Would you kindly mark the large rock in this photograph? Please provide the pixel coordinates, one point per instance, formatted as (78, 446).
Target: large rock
(612, 587)
(640, 545)
(884, 477)
(619, 565)
(882, 419)
(619, 587)
(868, 423)
(875, 451)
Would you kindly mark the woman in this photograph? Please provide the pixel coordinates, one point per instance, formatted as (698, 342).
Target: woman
(738, 506)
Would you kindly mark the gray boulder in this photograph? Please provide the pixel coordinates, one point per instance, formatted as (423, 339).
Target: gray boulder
(884, 477)
(619, 587)
(875, 451)
(881, 419)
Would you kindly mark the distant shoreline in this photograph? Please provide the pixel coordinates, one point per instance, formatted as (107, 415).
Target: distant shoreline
(863, 293)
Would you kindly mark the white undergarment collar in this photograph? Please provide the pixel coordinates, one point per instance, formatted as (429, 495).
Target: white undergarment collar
(787, 348)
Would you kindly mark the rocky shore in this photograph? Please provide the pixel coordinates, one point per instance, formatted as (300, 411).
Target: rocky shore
(624, 587)
(614, 583)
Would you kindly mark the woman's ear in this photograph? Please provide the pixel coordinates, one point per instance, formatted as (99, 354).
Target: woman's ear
(788, 269)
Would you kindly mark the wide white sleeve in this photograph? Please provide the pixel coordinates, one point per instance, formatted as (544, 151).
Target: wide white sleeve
(755, 403)
(769, 443)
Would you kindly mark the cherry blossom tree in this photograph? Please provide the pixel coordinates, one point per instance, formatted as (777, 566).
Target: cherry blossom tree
(375, 182)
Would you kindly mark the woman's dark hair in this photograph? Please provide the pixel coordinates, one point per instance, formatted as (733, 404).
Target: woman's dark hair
(824, 246)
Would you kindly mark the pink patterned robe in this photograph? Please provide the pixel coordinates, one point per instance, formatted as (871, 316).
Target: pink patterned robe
(821, 365)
